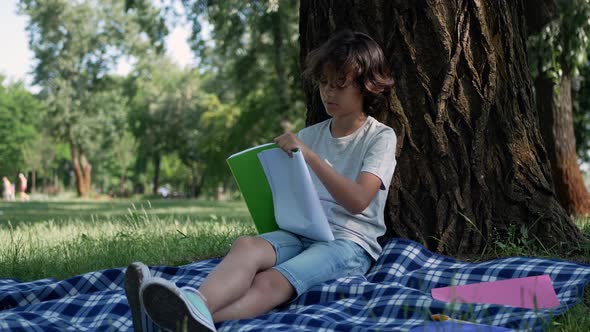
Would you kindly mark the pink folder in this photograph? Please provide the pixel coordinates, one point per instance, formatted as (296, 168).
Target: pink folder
(530, 292)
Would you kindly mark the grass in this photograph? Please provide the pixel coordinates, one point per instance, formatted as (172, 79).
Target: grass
(78, 237)
(520, 243)
(64, 211)
(60, 239)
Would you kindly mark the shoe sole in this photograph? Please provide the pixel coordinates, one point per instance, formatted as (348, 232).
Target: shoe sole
(134, 276)
(168, 308)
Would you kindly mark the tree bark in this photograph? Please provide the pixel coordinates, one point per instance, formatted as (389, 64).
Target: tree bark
(82, 170)
(471, 164)
(554, 103)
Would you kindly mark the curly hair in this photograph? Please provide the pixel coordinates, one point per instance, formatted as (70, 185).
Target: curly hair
(351, 51)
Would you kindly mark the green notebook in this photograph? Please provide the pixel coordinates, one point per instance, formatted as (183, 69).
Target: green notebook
(251, 179)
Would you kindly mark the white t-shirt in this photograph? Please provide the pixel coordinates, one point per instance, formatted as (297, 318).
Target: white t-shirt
(371, 148)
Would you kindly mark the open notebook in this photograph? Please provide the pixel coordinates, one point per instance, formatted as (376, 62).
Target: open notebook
(279, 192)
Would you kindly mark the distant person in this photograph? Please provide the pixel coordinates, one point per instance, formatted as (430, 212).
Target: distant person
(24, 197)
(164, 192)
(8, 193)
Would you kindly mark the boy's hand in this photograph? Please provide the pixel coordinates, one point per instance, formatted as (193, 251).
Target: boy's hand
(289, 142)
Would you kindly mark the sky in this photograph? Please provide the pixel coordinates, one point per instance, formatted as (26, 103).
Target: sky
(16, 59)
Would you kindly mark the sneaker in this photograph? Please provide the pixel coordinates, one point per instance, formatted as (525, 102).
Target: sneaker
(176, 309)
(136, 274)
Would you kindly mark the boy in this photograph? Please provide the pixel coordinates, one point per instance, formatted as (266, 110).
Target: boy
(352, 158)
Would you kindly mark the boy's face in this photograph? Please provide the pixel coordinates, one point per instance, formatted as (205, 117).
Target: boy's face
(340, 94)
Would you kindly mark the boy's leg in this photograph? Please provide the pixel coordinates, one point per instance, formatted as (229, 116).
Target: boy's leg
(269, 290)
(169, 305)
(320, 262)
(231, 279)
(324, 261)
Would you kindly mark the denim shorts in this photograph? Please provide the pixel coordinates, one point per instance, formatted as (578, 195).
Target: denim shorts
(306, 263)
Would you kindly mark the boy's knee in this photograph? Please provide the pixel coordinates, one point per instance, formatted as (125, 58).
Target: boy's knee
(272, 281)
(255, 249)
(250, 244)
(244, 243)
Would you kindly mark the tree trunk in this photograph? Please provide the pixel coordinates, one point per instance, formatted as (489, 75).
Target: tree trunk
(33, 181)
(470, 158)
(82, 170)
(554, 104)
(198, 179)
(157, 160)
(139, 169)
(122, 180)
(87, 168)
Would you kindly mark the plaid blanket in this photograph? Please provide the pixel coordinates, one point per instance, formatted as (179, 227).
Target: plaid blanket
(393, 296)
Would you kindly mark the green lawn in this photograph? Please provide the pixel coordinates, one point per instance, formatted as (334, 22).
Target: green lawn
(68, 210)
(60, 239)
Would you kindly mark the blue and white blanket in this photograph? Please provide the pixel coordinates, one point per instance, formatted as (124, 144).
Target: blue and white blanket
(393, 296)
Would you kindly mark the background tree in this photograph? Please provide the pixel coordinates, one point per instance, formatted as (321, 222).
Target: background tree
(471, 161)
(251, 57)
(556, 56)
(19, 118)
(157, 109)
(76, 44)
(114, 163)
(172, 115)
(581, 106)
(205, 149)
(38, 154)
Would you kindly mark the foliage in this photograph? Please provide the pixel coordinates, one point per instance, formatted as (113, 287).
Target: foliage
(205, 132)
(561, 48)
(48, 159)
(581, 107)
(20, 112)
(170, 114)
(114, 164)
(151, 22)
(154, 115)
(253, 55)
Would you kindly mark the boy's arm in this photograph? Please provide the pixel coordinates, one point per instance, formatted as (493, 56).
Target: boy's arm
(354, 196)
